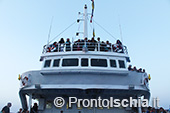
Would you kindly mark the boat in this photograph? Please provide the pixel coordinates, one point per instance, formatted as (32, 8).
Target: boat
(85, 70)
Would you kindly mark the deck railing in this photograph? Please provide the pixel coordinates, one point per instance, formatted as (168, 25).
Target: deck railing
(85, 46)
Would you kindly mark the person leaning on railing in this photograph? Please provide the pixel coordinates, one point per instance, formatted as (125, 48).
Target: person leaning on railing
(68, 45)
(93, 44)
(76, 45)
(114, 47)
(103, 46)
(108, 46)
(61, 43)
(55, 45)
(119, 46)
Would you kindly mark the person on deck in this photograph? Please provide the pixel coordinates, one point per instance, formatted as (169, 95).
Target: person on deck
(134, 68)
(98, 44)
(108, 46)
(162, 110)
(6, 109)
(85, 39)
(61, 42)
(103, 46)
(93, 44)
(68, 43)
(55, 45)
(34, 109)
(119, 46)
(139, 70)
(77, 45)
(130, 68)
(20, 110)
(149, 110)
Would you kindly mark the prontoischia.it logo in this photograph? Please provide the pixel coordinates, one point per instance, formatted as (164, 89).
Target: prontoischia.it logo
(99, 102)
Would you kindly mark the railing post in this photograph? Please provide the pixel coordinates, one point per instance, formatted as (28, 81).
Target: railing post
(58, 47)
(111, 48)
(64, 48)
(71, 46)
(95, 47)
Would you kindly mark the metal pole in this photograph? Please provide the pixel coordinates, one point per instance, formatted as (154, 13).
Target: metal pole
(85, 22)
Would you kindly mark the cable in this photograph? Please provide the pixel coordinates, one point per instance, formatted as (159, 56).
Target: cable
(105, 30)
(63, 31)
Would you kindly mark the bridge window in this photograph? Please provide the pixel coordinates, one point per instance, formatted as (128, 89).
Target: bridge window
(56, 63)
(113, 63)
(99, 62)
(121, 64)
(47, 63)
(84, 62)
(70, 62)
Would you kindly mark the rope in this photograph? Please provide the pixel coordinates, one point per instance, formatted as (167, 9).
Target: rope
(63, 31)
(105, 30)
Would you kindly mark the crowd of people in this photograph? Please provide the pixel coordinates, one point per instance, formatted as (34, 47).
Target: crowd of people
(91, 45)
(6, 109)
(34, 109)
(135, 69)
(153, 110)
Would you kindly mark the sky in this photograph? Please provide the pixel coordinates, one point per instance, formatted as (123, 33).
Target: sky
(24, 29)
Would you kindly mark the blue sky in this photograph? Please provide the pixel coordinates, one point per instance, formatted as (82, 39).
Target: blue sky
(24, 27)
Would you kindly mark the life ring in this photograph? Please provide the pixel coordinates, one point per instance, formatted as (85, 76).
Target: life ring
(24, 81)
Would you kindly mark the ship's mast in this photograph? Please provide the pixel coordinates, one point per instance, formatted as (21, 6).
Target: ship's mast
(85, 22)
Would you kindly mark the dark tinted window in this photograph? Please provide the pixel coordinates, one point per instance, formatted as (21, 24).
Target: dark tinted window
(84, 62)
(99, 62)
(56, 63)
(47, 63)
(121, 64)
(70, 62)
(113, 63)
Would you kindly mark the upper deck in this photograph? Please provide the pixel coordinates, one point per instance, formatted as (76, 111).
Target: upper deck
(83, 54)
(84, 47)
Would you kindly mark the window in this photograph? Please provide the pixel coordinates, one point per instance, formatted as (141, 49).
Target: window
(84, 62)
(48, 105)
(56, 63)
(99, 62)
(113, 63)
(70, 62)
(47, 63)
(121, 64)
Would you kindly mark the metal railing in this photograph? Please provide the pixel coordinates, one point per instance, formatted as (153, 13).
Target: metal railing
(85, 46)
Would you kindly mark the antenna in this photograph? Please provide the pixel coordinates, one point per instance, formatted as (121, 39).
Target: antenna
(85, 21)
(120, 28)
(50, 31)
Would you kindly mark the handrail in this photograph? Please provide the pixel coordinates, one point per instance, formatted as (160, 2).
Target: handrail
(90, 46)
